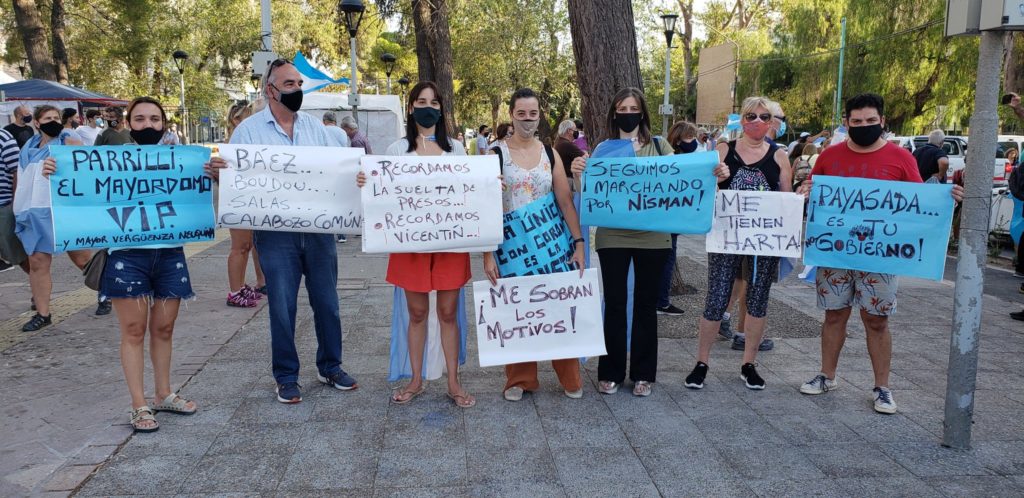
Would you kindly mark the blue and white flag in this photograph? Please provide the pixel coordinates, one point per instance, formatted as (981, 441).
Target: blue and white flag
(313, 79)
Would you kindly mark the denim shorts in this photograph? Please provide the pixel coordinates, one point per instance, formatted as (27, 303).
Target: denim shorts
(156, 273)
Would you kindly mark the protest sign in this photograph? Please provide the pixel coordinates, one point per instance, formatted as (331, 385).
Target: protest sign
(673, 194)
(431, 203)
(130, 195)
(537, 240)
(757, 223)
(540, 317)
(290, 189)
(878, 226)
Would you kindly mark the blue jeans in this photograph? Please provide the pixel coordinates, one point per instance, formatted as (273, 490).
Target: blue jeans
(666, 276)
(286, 257)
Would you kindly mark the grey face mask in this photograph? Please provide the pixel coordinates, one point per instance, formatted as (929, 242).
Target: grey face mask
(526, 128)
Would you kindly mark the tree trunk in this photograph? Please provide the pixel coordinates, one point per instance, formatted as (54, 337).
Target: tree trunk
(434, 52)
(686, 7)
(604, 44)
(33, 36)
(1014, 71)
(60, 49)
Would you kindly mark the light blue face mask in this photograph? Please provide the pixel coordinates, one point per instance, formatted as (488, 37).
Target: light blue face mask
(99, 122)
(782, 130)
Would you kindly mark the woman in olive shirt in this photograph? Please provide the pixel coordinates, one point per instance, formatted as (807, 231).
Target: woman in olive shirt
(628, 119)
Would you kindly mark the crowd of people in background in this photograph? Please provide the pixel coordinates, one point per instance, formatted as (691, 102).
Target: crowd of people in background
(633, 262)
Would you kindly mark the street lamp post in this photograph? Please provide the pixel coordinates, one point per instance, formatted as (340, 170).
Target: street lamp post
(180, 58)
(404, 81)
(389, 66)
(669, 21)
(22, 67)
(353, 11)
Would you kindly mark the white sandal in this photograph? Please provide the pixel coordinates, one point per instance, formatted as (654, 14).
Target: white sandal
(174, 404)
(143, 414)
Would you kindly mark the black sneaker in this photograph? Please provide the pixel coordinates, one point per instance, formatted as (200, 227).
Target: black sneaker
(670, 310)
(37, 322)
(4, 266)
(1018, 315)
(103, 308)
(696, 378)
(749, 375)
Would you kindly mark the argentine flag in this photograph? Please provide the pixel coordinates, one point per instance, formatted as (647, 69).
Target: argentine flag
(313, 79)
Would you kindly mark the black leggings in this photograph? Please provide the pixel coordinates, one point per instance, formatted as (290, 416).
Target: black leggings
(723, 269)
(648, 265)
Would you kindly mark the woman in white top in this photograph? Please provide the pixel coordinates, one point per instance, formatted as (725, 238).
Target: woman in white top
(530, 172)
(421, 273)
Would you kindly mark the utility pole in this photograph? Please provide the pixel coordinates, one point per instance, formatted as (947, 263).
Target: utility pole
(961, 376)
(837, 117)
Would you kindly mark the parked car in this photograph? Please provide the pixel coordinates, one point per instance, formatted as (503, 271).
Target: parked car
(956, 150)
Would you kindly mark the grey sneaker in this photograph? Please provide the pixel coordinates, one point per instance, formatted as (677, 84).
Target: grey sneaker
(739, 342)
(820, 384)
(883, 401)
(725, 328)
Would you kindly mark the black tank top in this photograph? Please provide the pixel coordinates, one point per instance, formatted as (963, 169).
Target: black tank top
(762, 175)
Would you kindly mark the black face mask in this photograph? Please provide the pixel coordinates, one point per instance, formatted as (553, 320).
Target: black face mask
(51, 129)
(26, 119)
(686, 147)
(864, 136)
(426, 116)
(112, 123)
(147, 136)
(292, 100)
(627, 122)
(575, 134)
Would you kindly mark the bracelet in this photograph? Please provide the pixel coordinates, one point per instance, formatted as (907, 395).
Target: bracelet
(577, 241)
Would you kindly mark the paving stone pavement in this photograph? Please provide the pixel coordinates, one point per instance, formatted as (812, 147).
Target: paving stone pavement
(722, 441)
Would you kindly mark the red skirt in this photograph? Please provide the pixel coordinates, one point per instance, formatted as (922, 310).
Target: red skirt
(424, 272)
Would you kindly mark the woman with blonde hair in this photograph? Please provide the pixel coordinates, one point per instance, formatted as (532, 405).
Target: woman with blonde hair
(240, 294)
(754, 164)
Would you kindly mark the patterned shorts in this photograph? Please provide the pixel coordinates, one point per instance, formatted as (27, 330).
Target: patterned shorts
(874, 292)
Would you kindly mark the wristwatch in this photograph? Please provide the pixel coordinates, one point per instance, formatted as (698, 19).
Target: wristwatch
(577, 241)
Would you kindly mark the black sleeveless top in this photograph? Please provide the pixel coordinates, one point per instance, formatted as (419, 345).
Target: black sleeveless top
(762, 175)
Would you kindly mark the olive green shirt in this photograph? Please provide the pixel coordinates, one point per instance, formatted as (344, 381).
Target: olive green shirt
(617, 238)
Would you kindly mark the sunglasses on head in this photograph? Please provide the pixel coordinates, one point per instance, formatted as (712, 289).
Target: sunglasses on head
(751, 117)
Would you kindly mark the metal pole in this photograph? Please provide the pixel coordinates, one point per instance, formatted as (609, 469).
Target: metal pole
(668, 69)
(967, 298)
(353, 86)
(181, 80)
(266, 37)
(389, 84)
(837, 115)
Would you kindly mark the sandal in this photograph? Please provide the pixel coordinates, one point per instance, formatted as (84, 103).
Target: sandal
(398, 394)
(642, 388)
(174, 404)
(463, 400)
(143, 414)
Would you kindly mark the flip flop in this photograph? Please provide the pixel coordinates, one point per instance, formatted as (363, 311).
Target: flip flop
(174, 404)
(464, 400)
(404, 391)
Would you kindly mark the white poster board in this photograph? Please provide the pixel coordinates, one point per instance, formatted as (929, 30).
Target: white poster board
(290, 188)
(540, 317)
(431, 203)
(757, 223)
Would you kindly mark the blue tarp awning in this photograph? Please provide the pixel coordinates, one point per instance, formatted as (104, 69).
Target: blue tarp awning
(51, 90)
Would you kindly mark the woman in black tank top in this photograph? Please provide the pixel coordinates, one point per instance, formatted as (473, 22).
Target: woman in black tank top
(754, 163)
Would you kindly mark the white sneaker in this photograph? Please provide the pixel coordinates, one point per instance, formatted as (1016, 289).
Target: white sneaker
(514, 394)
(820, 384)
(883, 401)
(577, 394)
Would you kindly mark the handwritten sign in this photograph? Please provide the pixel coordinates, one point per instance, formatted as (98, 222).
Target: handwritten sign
(540, 317)
(672, 194)
(130, 195)
(878, 226)
(290, 189)
(757, 223)
(537, 240)
(431, 203)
